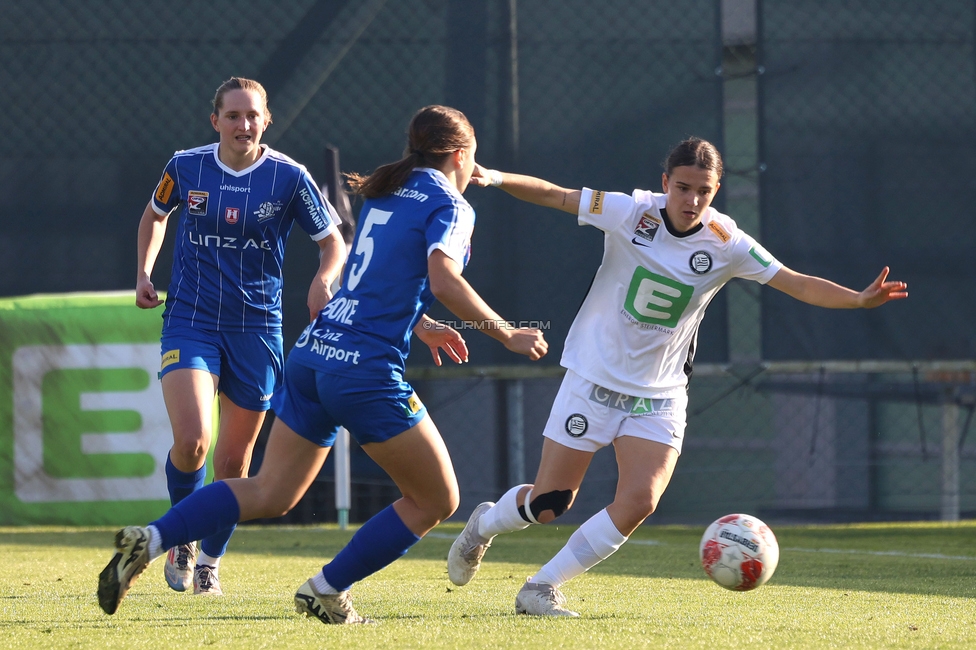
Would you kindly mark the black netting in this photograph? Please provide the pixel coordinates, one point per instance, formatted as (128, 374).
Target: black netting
(865, 133)
(101, 95)
(870, 151)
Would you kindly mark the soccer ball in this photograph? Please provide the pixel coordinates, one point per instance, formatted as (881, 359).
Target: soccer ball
(739, 552)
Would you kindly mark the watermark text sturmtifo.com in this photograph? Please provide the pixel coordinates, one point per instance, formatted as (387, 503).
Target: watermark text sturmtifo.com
(490, 324)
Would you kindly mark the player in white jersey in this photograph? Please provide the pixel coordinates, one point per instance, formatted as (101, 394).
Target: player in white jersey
(237, 200)
(628, 357)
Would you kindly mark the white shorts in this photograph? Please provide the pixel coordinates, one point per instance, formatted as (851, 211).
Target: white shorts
(587, 417)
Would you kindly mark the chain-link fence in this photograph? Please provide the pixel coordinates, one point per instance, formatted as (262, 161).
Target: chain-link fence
(787, 441)
(848, 441)
(101, 94)
(860, 124)
(869, 144)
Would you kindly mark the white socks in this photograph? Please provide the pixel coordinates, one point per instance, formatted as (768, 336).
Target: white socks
(594, 541)
(322, 585)
(155, 545)
(206, 560)
(504, 516)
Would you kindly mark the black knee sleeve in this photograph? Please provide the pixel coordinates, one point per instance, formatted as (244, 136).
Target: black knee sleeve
(558, 501)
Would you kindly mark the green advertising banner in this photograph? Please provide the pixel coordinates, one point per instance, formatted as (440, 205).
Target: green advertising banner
(84, 433)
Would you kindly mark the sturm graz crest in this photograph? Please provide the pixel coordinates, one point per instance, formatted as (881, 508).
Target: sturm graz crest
(576, 425)
(700, 262)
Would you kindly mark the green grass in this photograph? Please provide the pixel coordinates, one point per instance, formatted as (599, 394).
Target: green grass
(832, 589)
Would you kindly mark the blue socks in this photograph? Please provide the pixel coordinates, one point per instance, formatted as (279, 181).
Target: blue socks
(206, 512)
(379, 542)
(216, 545)
(182, 484)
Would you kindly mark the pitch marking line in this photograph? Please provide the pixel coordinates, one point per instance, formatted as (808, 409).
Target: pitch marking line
(841, 551)
(440, 536)
(926, 556)
(836, 551)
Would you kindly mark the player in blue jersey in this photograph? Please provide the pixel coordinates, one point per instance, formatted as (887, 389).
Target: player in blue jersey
(411, 245)
(236, 201)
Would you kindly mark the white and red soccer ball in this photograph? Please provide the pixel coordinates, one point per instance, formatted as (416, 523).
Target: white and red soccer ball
(739, 552)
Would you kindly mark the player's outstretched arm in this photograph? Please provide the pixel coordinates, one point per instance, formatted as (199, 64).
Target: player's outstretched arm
(440, 336)
(152, 232)
(529, 188)
(824, 293)
(464, 302)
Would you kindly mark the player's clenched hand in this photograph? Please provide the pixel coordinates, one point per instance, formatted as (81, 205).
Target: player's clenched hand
(438, 336)
(480, 176)
(879, 292)
(529, 342)
(146, 296)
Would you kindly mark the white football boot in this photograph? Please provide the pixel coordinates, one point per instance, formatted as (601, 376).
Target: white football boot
(178, 569)
(331, 609)
(205, 581)
(464, 558)
(131, 558)
(540, 599)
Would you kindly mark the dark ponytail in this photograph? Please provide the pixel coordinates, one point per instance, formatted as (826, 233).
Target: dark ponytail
(694, 152)
(434, 133)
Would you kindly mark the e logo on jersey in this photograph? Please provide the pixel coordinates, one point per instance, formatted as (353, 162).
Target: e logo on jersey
(759, 258)
(232, 215)
(655, 299)
(700, 262)
(196, 202)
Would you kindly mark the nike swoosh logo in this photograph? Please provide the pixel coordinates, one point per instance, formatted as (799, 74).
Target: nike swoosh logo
(634, 241)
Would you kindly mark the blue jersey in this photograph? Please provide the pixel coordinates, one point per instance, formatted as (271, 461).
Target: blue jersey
(365, 329)
(230, 241)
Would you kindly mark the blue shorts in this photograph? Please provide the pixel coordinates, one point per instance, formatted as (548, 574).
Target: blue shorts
(248, 364)
(315, 404)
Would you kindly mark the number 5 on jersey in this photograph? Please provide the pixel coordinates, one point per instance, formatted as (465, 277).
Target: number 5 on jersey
(364, 246)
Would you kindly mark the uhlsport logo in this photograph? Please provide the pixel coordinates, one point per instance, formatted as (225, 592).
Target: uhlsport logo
(89, 423)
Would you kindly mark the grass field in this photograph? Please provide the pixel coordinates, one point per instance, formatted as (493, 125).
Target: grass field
(868, 586)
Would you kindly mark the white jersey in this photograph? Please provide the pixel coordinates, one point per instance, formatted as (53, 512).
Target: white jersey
(637, 329)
